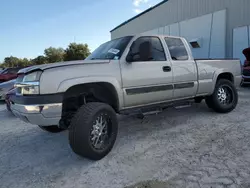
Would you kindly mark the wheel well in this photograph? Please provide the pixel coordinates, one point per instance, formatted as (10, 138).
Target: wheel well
(227, 76)
(80, 94)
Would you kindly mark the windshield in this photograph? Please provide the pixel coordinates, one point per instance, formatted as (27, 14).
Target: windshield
(111, 50)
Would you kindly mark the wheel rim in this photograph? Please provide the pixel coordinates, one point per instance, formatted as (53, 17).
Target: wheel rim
(225, 95)
(100, 132)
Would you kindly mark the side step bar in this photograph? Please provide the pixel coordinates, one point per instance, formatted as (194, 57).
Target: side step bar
(155, 109)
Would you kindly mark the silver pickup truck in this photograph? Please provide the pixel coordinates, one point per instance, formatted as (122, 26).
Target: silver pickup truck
(136, 75)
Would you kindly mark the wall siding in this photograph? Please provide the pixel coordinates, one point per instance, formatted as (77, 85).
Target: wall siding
(174, 11)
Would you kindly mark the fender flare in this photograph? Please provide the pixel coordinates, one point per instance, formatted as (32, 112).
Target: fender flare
(66, 84)
(217, 74)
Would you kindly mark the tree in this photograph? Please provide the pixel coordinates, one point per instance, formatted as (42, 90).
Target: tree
(54, 54)
(39, 60)
(51, 55)
(76, 52)
(15, 62)
(11, 61)
(25, 62)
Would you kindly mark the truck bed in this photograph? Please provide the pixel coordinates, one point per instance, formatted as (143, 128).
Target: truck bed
(209, 69)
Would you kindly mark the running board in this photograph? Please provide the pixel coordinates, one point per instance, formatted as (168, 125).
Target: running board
(155, 109)
(152, 112)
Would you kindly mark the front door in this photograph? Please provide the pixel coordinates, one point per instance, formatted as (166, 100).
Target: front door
(147, 81)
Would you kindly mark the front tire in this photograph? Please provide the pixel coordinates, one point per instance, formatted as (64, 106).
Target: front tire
(93, 130)
(224, 98)
(51, 129)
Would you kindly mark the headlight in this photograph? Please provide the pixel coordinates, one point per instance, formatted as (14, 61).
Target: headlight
(30, 84)
(32, 77)
(30, 90)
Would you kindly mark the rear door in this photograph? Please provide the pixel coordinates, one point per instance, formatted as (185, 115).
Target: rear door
(184, 68)
(150, 81)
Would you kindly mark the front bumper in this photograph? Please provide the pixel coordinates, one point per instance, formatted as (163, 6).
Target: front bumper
(44, 110)
(39, 114)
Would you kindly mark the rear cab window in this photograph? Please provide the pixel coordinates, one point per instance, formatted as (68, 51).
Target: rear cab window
(177, 49)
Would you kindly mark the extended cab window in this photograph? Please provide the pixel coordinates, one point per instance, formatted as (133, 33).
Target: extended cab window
(176, 48)
(157, 51)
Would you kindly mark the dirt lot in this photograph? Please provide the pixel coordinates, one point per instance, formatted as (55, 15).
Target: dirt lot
(189, 147)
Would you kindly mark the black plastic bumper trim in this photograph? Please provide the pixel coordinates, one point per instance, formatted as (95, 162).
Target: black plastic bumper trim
(37, 99)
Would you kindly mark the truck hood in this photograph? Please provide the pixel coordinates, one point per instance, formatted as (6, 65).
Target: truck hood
(60, 64)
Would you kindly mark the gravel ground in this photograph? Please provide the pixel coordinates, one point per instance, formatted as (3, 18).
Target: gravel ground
(188, 147)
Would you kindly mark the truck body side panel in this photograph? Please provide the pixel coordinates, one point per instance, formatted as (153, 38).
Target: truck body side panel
(209, 70)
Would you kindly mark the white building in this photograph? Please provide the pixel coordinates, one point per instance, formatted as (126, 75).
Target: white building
(221, 28)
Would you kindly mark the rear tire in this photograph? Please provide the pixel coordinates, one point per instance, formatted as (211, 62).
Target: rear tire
(93, 130)
(51, 129)
(224, 98)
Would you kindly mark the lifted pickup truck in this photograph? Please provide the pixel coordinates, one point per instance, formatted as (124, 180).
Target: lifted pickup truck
(129, 75)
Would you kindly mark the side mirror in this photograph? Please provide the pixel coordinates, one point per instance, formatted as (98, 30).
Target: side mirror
(129, 58)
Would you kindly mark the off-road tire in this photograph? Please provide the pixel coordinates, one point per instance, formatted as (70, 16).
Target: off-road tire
(81, 127)
(213, 100)
(51, 129)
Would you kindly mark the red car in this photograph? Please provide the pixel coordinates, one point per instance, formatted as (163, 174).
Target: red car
(9, 74)
(246, 67)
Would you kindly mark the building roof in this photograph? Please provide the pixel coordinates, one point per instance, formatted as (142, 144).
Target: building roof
(138, 15)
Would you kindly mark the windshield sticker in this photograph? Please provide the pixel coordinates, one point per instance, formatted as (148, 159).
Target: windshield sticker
(116, 57)
(114, 51)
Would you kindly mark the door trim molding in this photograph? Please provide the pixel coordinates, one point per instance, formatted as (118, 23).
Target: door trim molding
(149, 89)
(184, 85)
(152, 89)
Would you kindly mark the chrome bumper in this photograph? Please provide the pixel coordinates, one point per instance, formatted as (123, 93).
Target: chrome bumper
(39, 114)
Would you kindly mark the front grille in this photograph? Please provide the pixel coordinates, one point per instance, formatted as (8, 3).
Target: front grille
(246, 72)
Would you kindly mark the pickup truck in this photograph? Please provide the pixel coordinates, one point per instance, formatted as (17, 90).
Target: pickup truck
(136, 75)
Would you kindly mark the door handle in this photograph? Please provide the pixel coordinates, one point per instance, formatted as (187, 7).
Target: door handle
(166, 69)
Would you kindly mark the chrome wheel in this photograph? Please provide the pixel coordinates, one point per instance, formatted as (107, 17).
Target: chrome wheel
(100, 132)
(225, 95)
